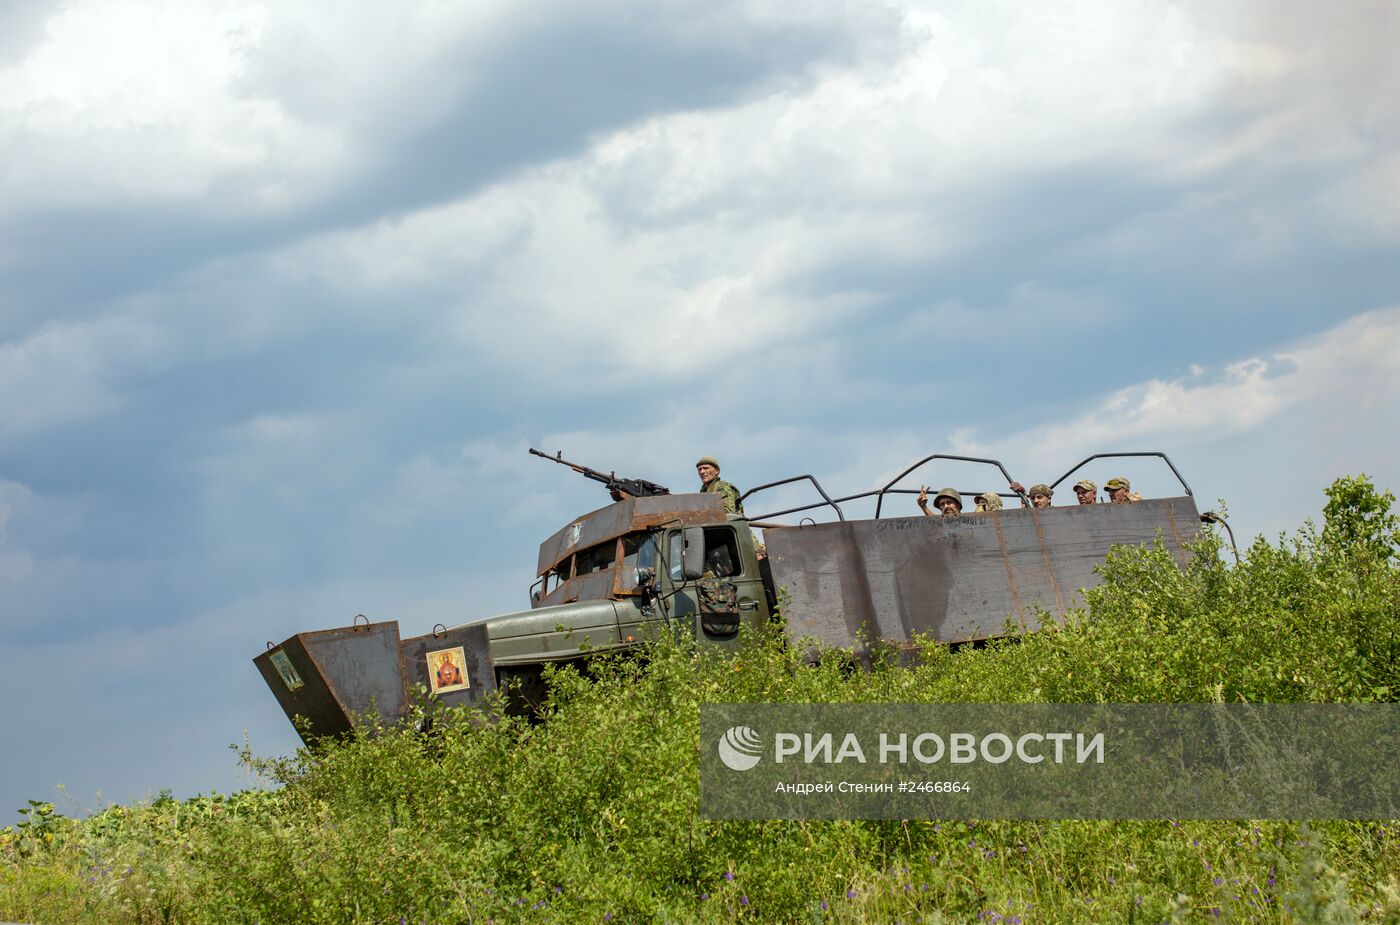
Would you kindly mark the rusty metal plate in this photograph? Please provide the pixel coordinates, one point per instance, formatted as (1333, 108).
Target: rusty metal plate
(959, 578)
(595, 586)
(626, 516)
(468, 674)
(331, 677)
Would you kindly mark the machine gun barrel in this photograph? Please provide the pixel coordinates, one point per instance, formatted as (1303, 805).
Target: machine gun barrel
(637, 488)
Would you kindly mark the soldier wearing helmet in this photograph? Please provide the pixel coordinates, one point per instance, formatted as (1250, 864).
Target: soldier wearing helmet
(1041, 495)
(1086, 491)
(988, 501)
(948, 501)
(1120, 491)
(707, 467)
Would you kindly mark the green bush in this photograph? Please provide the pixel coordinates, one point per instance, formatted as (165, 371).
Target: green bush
(593, 815)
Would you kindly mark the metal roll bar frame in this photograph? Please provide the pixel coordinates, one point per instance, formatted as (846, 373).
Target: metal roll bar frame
(879, 493)
(1162, 456)
(826, 499)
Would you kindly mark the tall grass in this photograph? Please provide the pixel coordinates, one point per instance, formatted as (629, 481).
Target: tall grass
(593, 816)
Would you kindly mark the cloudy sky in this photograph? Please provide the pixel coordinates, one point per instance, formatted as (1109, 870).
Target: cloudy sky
(287, 290)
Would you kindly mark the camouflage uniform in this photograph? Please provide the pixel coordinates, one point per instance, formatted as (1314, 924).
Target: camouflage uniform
(728, 492)
(1114, 484)
(988, 501)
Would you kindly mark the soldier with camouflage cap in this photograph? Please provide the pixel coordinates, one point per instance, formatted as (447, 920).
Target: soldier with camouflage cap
(948, 501)
(1120, 491)
(1041, 495)
(1086, 491)
(988, 501)
(707, 467)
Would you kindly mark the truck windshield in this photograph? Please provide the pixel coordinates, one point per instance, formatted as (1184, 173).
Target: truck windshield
(639, 551)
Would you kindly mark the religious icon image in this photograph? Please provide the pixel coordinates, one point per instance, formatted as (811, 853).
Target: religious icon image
(284, 668)
(447, 670)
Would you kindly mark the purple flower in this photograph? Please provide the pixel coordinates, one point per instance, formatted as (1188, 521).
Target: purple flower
(704, 896)
(607, 916)
(729, 875)
(1218, 881)
(743, 900)
(558, 890)
(823, 905)
(850, 894)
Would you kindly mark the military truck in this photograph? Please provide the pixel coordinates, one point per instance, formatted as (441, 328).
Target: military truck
(609, 577)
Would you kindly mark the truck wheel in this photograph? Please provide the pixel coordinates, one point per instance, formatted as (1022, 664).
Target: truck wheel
(525, 689)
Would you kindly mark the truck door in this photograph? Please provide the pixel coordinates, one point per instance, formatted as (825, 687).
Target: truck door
(728, 595)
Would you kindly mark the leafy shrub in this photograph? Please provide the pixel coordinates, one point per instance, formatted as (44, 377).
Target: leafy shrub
(592, 815)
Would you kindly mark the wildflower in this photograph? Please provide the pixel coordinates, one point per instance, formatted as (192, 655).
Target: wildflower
(850, 894)
(743, 900)
(729, 875)
(1218, 881)
(823, 905)
(704, 896)
(558, 891)
(607, 916)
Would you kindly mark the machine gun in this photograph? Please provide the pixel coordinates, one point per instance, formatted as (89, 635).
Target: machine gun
(637, 488)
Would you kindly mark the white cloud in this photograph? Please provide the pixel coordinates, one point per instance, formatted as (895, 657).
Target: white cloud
(66, 373)
(1266, 427)
(15, 564)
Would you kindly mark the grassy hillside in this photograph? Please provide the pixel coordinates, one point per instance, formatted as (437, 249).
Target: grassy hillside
(592, 816)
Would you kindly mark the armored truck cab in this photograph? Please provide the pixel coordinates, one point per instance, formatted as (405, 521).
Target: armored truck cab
(608, 574)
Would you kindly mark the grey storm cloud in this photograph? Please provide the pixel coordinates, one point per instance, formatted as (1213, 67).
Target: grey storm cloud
(537, 88)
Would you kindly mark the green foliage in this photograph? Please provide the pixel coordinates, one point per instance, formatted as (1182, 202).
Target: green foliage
(593, 816)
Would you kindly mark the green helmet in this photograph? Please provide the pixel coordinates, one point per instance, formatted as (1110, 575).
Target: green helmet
(948, 493)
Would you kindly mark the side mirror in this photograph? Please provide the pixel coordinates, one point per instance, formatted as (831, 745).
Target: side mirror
(693, 557)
